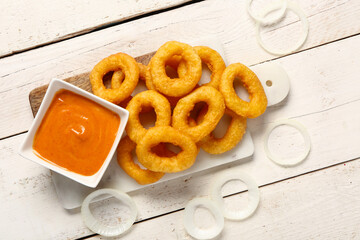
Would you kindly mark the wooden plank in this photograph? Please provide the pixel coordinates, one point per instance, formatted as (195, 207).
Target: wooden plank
(28, 197)
(318, 205)
(57, 20)
(329, 20)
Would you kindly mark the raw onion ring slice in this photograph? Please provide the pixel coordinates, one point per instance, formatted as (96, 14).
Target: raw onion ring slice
(190, 226)
(293, 161)
(100, 228)
(305, 26)
(253, 191)
(270, 20)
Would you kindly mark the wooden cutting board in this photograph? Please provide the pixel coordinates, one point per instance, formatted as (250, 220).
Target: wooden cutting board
(82, 81)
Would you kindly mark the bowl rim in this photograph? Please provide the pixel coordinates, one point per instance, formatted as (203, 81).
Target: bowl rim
(26, 150)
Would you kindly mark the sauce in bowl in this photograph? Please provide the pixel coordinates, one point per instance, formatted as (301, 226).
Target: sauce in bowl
(76, 133)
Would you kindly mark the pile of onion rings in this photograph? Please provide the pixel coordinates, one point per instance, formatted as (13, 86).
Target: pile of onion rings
(172, 79)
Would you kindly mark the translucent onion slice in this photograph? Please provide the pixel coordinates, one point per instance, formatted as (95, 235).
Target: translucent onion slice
(100, 228)
(292, 161)
(197, 232)
(305, 27)
(253, 194)
(267, 20)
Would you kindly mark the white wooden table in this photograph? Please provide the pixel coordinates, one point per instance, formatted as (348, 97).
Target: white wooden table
(318, 199)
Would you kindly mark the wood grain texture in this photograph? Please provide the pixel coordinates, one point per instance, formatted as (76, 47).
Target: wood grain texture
(318, 205)
(82, 81)
(324, 97)
(23, 26)
(329, 20)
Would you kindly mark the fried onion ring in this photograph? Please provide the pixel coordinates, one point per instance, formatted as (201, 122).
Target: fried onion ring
(124, 103)
(143, 72)
(148, 81)
(252, 84)
(173, 100)
(166, 134)
(126, 162)
(232, 137)
(216, 106)
(175, 87)
(142, 100)
(174, 62)
(213, 61)
(117, 78)
(162, 151)
(115, 62)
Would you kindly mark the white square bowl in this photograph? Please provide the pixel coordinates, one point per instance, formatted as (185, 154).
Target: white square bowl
(26, 149)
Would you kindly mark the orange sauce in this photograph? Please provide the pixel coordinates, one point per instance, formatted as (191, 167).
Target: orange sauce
(76, 133)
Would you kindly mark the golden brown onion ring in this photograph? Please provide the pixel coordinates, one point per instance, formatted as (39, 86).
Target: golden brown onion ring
(144, 74)
(142, 100)
(178, 86)
(252, 84)
(126, 162)
(216, 108)
(166, 134)
(213, 61)
(117, 78)
(174, 62)
(115, 62)
(232, 137)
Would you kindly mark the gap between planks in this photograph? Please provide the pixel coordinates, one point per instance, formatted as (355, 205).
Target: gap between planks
(13, 135)
(306, 49)
(233, 194)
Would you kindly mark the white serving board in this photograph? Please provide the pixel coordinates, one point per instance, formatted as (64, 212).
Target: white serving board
(71, 194)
